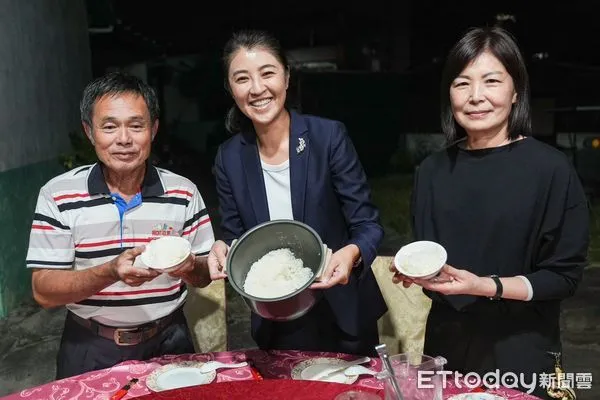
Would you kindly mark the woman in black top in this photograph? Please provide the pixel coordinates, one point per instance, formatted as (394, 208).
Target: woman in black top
(510, 212)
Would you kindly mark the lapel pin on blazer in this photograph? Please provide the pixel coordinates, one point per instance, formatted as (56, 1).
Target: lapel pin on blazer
(301, 145)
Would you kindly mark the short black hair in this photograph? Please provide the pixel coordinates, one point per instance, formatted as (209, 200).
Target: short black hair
(503, 46)
(115, 83)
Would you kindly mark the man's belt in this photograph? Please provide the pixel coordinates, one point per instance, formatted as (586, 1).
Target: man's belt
(126, 336)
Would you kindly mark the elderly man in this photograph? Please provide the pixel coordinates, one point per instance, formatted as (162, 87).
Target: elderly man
(91, 223)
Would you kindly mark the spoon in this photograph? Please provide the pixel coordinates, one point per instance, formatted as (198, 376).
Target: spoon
(213, 365)
(340, 368)
(359, 370)
(385, 359)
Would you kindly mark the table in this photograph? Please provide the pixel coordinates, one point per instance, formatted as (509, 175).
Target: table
(267, 389)
(275, 364)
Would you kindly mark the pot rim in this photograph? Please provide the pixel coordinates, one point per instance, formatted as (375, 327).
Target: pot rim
(235, 245)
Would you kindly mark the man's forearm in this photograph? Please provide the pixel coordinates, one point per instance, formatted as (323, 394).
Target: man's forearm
(53, 288)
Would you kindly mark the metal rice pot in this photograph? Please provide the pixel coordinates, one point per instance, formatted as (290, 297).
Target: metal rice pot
(302, 240)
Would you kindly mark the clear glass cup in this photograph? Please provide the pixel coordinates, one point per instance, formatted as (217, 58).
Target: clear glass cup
(357, 395)
(418, 377)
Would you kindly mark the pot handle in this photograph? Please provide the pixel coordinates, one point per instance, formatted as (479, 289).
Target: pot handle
(324, 263)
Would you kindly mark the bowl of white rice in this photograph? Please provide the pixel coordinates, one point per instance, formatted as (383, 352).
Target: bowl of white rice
(166, 253)
(423, 259)
(272, 266)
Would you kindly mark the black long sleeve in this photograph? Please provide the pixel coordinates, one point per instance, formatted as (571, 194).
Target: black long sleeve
(514, 210)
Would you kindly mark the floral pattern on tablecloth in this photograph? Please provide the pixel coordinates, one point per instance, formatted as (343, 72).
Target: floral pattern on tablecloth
(273, 364)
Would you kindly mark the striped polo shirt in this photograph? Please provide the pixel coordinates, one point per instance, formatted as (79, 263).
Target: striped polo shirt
(77, 225)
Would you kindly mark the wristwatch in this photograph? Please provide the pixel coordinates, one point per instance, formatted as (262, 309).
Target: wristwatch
(499, 287)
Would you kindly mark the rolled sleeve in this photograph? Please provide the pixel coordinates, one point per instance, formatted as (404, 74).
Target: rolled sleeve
(563, 247)
(50, 241)
(529, 287)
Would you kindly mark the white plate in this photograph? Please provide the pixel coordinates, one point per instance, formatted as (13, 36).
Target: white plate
(307, 370)
(177, 375)
(156, 256)
(476, 396)
(432, 255)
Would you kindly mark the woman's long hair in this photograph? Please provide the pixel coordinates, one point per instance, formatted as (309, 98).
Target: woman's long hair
(502, 45)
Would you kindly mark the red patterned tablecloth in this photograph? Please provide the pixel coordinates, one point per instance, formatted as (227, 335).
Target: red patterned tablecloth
(267, 389)
(100, 385)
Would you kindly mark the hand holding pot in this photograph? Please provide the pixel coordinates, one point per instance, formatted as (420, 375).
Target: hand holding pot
(339, 268)
(217, 259)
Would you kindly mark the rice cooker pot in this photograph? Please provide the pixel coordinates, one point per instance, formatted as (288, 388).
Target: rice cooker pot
(303, 241)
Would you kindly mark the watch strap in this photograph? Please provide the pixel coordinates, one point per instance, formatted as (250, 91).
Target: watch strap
(499, 287)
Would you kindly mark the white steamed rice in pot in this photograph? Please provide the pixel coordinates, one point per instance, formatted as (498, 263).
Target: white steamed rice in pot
(276, 274)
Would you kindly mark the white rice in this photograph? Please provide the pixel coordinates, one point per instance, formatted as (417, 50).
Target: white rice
(276, 274)
(420, 262)
(166, 252)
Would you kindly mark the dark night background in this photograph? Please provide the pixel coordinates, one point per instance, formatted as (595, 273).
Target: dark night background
(409, 38)
(378, 67)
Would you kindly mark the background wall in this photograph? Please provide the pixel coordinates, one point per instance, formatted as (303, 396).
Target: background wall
(44, 65)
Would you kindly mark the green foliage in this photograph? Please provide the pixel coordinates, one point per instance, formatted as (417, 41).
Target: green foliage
(424, 146)
(406, 158)
(82, 152)
(391, 194)
(401, 162)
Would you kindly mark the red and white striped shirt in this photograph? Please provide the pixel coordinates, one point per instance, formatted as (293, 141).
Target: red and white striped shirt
(77, 225)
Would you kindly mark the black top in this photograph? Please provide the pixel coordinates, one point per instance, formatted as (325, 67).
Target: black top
(517, 209)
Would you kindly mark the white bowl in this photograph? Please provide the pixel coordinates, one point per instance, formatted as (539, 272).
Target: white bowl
(166, 253)
(422, 259)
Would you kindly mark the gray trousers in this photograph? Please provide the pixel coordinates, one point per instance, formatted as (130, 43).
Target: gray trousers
(82, 351)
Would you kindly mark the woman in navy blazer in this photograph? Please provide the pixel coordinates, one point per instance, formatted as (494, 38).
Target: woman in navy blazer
(284, 165)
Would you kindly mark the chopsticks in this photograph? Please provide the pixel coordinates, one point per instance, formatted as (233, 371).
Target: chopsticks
(123, 391)
(254, 371)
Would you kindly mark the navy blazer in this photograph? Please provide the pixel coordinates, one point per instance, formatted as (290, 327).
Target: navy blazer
(329, 192)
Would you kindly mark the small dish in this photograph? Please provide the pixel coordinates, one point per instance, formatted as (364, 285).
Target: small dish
(178, 375)
(215, 365)
(423, 259)
(309, 369)
(166, 253)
